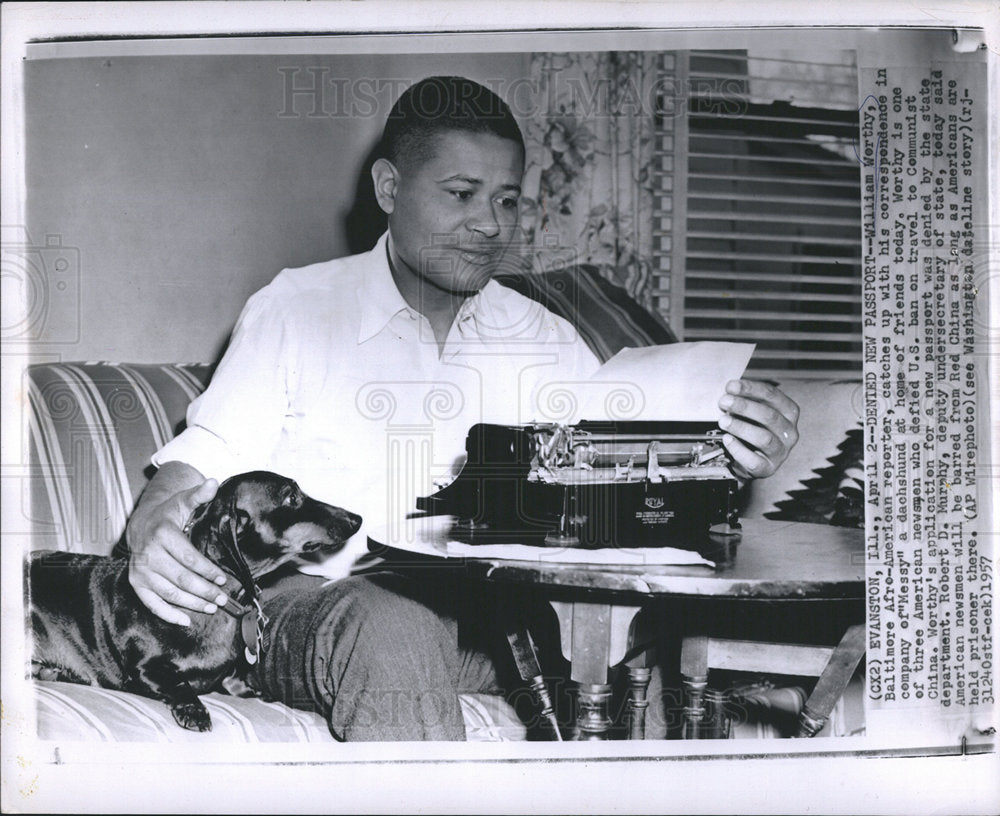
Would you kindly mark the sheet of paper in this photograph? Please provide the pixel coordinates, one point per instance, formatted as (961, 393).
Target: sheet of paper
(679, 382)
(556, 555)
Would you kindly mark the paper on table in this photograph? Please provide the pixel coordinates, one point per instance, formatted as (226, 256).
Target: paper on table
(554, 555)
(678, 382)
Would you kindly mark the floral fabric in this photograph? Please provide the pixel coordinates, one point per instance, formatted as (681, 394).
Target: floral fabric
(588, 176)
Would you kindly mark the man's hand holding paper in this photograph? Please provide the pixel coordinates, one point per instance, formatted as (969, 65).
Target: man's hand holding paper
(761, 425)
(683, 382)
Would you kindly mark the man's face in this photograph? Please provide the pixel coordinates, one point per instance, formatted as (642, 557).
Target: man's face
(454, 214)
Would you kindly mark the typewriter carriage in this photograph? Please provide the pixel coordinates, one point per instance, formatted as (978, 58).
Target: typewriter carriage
(595, 484)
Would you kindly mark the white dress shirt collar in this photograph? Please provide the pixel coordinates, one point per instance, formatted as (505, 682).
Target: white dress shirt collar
(380, 301)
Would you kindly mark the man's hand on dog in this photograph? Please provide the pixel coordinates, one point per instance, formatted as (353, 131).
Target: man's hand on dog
(761, 427)
(166, 571)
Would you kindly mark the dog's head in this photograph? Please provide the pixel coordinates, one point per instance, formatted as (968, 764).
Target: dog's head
(273, 522)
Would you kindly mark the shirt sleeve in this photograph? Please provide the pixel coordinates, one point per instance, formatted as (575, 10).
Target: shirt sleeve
(556, 386)
(577, 360)
(237, 422)
(583, 363)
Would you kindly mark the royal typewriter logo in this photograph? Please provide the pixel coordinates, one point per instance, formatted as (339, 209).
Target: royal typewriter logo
(654, 503)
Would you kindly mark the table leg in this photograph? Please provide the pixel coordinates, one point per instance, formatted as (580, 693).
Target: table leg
(592, 720)
(593, 637)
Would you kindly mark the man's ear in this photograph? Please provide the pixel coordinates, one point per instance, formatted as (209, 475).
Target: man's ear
(385, 178)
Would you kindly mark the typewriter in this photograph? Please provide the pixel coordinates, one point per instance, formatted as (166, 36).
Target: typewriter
(595, 484)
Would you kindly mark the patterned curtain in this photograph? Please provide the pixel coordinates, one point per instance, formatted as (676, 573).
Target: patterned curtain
(588, 194)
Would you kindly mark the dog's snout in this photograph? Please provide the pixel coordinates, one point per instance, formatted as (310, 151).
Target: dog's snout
(354, 522)
(340, 522)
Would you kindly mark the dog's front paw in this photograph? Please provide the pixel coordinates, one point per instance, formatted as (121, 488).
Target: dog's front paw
(192, 716)
(237, 687)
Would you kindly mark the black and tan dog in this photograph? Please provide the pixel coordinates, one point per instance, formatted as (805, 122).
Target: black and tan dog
(89, 626)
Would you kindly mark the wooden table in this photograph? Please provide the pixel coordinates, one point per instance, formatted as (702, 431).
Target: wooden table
(597, 604)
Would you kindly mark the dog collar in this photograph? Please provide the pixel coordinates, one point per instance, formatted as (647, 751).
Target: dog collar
(250, 614)
(245, 577)
(234, 608)
(246, 608)
(253, 627)
(236, 603)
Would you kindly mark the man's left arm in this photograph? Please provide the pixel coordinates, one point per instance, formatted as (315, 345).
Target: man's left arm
(761, 427)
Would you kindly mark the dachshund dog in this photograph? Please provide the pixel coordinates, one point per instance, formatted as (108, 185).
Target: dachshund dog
(89, 626)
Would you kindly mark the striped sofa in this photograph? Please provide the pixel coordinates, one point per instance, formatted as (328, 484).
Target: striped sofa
(93, 426)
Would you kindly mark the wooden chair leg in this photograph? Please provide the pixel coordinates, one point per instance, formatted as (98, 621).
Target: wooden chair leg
(716, 723)
(832, 682)
(639, 661)
(694, 677)
(544, 702)
(525, 655)
(638, 685)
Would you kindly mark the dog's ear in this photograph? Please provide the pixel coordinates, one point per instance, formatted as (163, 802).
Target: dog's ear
(214, 525)
(212, 518)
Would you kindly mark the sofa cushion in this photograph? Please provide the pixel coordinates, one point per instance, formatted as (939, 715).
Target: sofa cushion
(834, 493)
(92, 429)
(71, 712)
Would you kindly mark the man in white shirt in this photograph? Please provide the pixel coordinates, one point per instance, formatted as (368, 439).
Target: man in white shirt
(330, 370)
(359, 378)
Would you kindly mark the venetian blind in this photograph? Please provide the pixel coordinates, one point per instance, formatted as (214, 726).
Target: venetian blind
(760, 220)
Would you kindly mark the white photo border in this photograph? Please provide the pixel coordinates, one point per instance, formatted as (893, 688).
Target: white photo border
(865, 777)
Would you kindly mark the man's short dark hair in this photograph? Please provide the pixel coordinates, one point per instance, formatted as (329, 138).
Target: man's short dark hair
(438, 104)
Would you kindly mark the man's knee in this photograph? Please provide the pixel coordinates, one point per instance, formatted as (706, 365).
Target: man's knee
(385, 616)
(375, 626)
(385, 607)
(370, 656)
